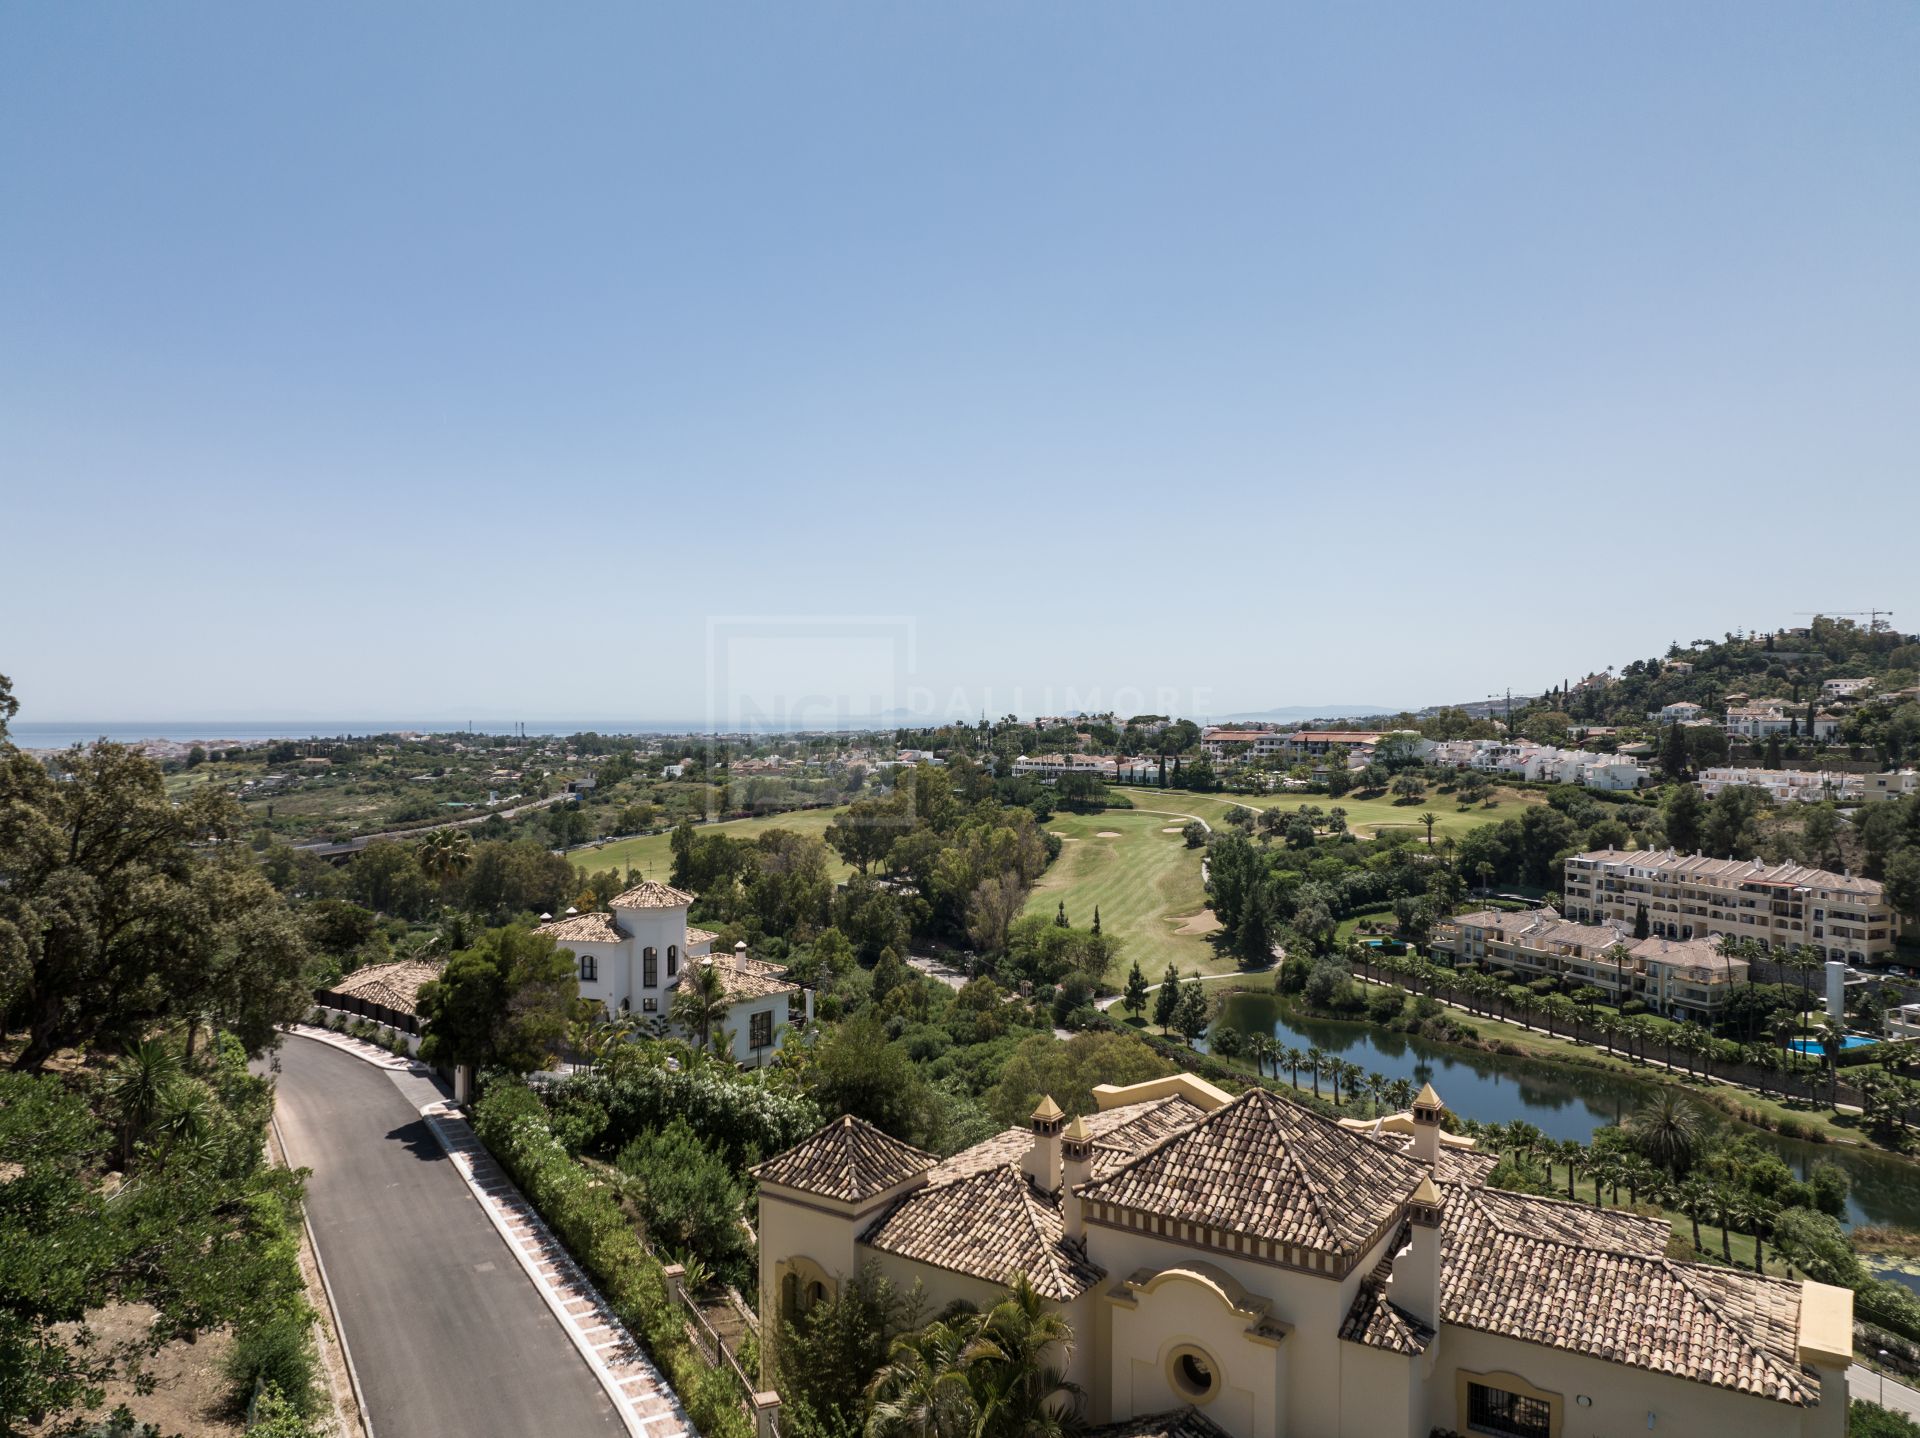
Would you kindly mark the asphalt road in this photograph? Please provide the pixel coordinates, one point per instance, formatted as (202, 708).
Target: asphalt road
(447, 1333)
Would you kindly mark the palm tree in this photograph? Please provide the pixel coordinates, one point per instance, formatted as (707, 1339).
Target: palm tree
(1019, 1390)
(1695, 1198)
(922, 1390)
(1316, 1065)
(1575, 1158)
(1638, 1175)
(138, 1091)
(1753, 1212)
(1376, 1088)
(1668, 1128)
(1429, 819)
(1400, 1094)
(444, 855)
(700, 1002)
(1294, 1059)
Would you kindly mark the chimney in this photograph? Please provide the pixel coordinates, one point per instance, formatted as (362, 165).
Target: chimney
(1042, 1164)
(1416, 1272)
(740, 949)
(1426, 1125)
(1076, 1152)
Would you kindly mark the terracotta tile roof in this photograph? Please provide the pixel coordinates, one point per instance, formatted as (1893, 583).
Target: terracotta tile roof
(849, 1159)
(1271, 1169)
(745, 978)
(595, 928)
(1549, 1273)
(1181, 1423)
(1118, 1135)
(700, 936)
(395, 986)
(1453, 1165)
(651, 894)
(992, 1225)
(1375, 1321)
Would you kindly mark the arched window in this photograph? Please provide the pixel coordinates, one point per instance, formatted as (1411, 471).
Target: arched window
(650, 968)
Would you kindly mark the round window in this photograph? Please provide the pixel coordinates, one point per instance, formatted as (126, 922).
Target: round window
(1193, 1374)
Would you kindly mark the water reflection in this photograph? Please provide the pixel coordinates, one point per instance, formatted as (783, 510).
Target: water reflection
(1562, 1101)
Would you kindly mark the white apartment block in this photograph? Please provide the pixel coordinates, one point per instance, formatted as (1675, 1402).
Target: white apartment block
(1542, 763)
(1882, 787)
(1784, 786)
(1689, 896)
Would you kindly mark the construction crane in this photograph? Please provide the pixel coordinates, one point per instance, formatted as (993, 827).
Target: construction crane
(1873, 616)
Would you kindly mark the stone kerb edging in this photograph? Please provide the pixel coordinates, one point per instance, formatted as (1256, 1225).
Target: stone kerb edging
(641, 1395)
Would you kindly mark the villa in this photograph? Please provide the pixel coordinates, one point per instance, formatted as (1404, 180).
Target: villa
(633, 955)
(1245, 1267)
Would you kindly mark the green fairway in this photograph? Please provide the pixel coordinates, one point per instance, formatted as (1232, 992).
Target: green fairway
(1146, 884)
(650, 856)
(1365, 817)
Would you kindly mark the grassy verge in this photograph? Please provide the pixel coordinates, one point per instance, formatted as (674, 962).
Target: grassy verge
(1365, 816)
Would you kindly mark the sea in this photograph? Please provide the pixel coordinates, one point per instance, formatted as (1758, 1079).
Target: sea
(214, 732)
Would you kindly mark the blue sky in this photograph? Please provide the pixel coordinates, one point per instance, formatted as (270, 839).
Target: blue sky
(452, 360)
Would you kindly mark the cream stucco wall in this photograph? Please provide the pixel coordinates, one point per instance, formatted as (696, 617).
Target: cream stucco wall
(1623, 1398)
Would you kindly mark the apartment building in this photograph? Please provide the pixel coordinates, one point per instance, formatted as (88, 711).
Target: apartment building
(1684, 712)
(1680, 978)
(1052, 766)
(1783, 786)
(1318, 743)
(1879, 788)
(1235, 746)
(1689, 896)
(1843, 688)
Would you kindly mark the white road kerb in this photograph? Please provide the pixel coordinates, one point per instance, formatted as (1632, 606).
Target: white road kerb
(645, 1401)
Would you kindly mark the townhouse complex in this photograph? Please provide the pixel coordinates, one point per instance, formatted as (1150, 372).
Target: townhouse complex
(1678, 978)
(1232, 746)
(1521, 759)
(1810, 786)
(1689, 896)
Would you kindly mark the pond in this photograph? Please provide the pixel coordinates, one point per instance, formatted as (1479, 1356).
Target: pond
(1562, 1101)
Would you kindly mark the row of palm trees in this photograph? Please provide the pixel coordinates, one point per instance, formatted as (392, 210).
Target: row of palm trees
(1683, 1045)
(1380, 1091)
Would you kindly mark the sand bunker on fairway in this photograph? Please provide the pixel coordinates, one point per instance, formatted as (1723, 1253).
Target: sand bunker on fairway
(1201, 923)
(1174, 829)
(1107, 834)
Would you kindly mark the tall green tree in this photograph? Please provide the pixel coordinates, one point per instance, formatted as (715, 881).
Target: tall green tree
(1166, 1002)
(1134, 1001)
(120, 908)
(505, 1002)
(700, 1000)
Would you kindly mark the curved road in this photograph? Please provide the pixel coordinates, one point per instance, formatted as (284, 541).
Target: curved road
(447, 1334)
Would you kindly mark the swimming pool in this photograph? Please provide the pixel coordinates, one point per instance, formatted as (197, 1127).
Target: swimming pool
(1853, 1041)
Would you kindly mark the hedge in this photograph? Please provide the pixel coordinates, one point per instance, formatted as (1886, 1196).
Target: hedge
(512, 1122)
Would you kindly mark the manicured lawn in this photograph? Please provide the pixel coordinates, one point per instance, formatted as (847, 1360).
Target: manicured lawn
(650, 856)
(1365, 817)
(1145, 883)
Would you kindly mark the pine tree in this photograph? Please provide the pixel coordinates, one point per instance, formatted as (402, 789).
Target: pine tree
(1135, 1001)
(1166, 1000)
(1096, 918)
(1772, 761)
(1060, 919)
(1191, 1017)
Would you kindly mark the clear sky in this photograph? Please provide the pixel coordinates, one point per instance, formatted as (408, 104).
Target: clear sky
(458, 360)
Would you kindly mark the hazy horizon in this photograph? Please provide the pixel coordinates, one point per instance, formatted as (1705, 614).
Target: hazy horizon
(644, 361)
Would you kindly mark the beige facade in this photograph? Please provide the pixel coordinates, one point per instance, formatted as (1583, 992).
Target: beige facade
(1245, 1267)
(1692, 897)
(1680, 978)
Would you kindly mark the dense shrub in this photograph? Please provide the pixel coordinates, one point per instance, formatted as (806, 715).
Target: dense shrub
(689, 1200)
(586, 1217)
(740, 1114)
